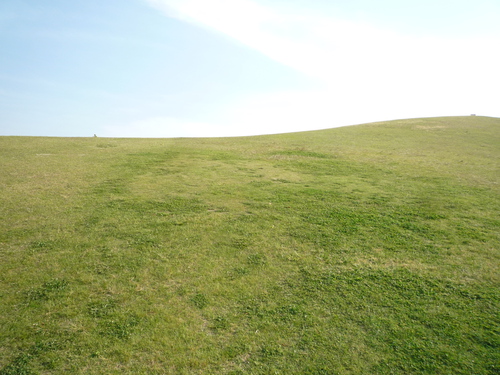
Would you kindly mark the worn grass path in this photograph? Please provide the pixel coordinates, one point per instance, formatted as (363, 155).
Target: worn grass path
(372, 249)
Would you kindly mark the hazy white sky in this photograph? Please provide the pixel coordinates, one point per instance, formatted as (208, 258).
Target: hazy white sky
(168, 68)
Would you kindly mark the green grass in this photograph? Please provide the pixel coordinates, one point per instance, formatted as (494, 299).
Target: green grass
(371, 249)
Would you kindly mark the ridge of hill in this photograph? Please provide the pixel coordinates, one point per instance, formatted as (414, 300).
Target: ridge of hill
(370, 249)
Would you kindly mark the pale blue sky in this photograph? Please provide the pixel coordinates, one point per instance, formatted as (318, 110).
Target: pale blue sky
(169, 68)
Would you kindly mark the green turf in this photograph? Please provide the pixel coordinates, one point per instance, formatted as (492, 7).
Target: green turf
(371, 249)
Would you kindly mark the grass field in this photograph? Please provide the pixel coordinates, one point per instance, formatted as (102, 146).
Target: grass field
(372, 249)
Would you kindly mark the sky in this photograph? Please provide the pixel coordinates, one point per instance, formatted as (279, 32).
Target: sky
(209, 68)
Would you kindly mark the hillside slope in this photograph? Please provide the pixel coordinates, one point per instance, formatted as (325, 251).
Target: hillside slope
(371, 249)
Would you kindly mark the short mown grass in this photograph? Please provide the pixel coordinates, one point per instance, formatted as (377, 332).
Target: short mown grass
(372, 249)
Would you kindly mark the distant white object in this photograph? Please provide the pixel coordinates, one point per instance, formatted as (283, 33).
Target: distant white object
(473, 114)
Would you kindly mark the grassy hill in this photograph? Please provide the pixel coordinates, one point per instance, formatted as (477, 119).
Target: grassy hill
(371, 249)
